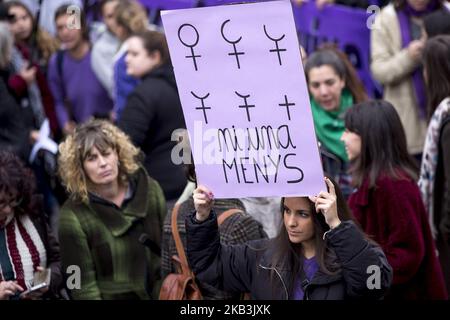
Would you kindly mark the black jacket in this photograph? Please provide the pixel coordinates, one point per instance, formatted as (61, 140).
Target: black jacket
(246, 268)
(53, 255)
(153, 111)
(441, 200)
(14, 133)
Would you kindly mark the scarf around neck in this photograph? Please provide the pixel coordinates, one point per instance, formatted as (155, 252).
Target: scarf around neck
(430, 159)
(329, 125)
(21, 250)
(404, 17)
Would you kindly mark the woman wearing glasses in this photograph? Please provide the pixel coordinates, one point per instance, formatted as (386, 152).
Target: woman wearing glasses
(26, 242)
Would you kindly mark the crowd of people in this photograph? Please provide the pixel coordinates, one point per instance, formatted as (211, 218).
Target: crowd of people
(104, 202)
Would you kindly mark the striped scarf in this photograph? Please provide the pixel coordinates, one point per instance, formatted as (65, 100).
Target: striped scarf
(21, 251)
(430, 158)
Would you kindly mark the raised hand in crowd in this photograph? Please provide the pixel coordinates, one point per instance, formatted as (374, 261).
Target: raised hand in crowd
(326, 204)
(203, 201)
(69, 127)
(28, 74)
(304, 237)
(415, 49)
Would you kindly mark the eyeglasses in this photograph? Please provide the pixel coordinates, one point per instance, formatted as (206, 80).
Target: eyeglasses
(11, 203)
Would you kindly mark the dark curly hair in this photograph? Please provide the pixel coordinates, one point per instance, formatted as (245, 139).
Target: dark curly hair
(19, 182)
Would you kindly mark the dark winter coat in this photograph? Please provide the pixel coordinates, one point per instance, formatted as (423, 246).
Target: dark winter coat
(53, 254)
(14, 134)
(441, 198)
(247, 268)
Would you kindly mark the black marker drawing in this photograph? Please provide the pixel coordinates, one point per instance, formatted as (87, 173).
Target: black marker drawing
(203, 107)
(191, 46)
(287, 105)
(246, 106)
(277, 49)
(235, 53)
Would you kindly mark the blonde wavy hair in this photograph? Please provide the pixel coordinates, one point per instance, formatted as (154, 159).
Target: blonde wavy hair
(132, 16)
(74, 150)
(47, 44)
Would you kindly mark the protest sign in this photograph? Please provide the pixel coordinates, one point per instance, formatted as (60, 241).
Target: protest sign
(245, 100)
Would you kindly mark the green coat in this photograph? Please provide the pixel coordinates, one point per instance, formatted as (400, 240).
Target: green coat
(103, 240)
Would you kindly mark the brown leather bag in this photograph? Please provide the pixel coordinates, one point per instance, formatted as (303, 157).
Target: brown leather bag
(182, 285)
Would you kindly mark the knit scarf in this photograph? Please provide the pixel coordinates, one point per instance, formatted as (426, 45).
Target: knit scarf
(404, 16)
(430, 158)
(21, 251)
(330, 126)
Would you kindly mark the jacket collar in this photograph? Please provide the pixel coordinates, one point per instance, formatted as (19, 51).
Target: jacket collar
(163, 72)
(320, 278)
(117, 220)
(361, 196)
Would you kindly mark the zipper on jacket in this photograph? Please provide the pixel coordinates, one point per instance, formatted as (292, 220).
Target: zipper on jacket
(279, 275)
(306, 292)
(305, 289)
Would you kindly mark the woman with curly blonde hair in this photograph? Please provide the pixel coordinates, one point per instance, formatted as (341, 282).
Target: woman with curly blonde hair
(113, 203)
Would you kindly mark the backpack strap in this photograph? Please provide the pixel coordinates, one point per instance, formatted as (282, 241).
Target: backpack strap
(60, 70)
(225, 215)
(178, 244)
(59, 63)
(176, 236)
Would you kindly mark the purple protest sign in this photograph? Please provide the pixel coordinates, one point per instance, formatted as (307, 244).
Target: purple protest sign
(155, 6)
(169, 4)
(210, 3)
(245, 100)
(348, 27)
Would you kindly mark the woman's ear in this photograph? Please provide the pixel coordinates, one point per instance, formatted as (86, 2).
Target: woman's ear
(156, 56)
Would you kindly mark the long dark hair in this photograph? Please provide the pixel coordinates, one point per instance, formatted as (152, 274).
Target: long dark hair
(383, 143)
(287, 254)
(338, 60)
(436, 60)
(19, 182)
(437, 23)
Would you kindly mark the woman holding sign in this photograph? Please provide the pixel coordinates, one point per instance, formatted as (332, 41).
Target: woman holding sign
(387, 202)
(319, 253)
(334, 87)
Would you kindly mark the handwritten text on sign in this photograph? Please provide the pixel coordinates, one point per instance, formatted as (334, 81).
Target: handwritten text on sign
(245, 100)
